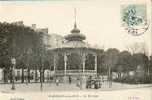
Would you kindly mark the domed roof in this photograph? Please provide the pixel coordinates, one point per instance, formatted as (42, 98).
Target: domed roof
(75, 35)
(75, 29)
(75, 44)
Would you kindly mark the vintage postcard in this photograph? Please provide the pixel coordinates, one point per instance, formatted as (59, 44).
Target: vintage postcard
(76, 49)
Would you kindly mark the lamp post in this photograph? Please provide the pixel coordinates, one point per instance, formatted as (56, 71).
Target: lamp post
(13, 61)
(110, 77)
(41, 67)
(41, 79)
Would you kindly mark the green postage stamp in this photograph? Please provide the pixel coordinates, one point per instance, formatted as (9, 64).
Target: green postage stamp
(134, 18)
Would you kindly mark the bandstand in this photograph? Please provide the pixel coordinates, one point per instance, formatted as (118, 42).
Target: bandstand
(75, 58)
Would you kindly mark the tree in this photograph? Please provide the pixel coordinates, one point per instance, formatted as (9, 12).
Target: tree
(138, 47)
(124, 63)
(111, 59)
(150, 65)
(140, 55)
(101, 68)
(140, 59)
(17, 41)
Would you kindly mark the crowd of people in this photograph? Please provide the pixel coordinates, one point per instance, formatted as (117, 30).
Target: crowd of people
(93, 82)
(90, 83)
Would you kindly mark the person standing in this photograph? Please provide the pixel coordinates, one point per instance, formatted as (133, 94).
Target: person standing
(78, 82)
(70, 79)
(89, 82)
(57, 81)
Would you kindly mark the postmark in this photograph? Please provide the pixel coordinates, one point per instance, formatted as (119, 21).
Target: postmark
(134, 19)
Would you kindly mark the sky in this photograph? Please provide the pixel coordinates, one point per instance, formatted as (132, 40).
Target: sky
(99, 20)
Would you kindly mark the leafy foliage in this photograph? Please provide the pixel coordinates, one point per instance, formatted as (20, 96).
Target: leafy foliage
(21, 42)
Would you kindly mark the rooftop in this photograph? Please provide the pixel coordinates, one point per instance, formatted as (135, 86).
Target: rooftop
(75, 35)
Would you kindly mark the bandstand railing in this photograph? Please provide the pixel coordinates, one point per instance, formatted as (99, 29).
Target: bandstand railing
(74, 72)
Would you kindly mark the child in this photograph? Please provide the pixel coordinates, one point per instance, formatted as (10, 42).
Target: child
(57, 82)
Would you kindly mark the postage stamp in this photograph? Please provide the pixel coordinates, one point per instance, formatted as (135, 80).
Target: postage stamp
(134, 19)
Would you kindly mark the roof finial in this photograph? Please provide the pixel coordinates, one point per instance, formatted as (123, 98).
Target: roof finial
(75, 24)
(75, 29)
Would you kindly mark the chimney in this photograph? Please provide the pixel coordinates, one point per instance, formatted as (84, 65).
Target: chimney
(34, 26)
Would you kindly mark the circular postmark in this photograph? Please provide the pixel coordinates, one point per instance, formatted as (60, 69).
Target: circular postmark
(134, 19)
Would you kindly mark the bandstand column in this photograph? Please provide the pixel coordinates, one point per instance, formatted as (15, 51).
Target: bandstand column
(83, 78)
(65, 66)
(83, 63)
(96, 63)
(54, 62)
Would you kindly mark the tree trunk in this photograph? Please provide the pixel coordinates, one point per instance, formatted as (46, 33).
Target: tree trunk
(43, 78)
(127, 73)
(36, 74)
(41, 81)
(28, 75)
(11, 76)
(110, 77)
(4, 79)
(119, 75)
(40, 75)
(148, 72)
(22, 80)
(5, 74)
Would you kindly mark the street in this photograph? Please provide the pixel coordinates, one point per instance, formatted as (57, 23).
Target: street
(47, 87)
(23, 92)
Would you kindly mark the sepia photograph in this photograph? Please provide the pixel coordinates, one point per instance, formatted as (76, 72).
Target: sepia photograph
(75, 46)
